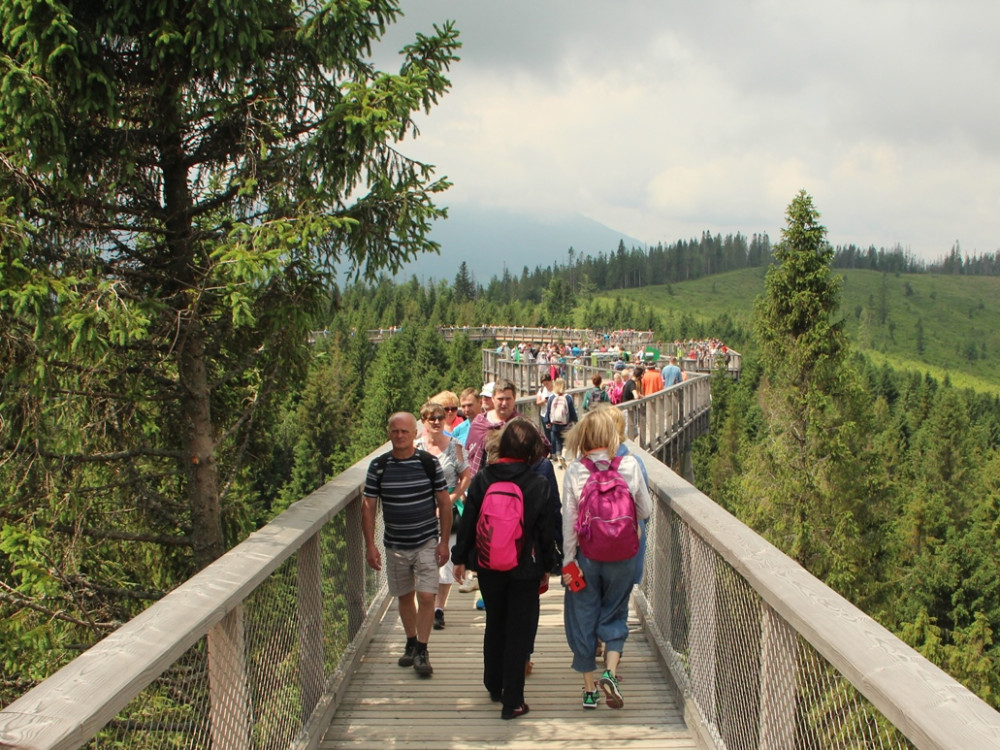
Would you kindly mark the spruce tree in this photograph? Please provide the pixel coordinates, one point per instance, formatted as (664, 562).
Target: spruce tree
(809, 484)
(178, 181)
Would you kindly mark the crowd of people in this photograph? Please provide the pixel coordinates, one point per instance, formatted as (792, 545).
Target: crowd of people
(469, 496)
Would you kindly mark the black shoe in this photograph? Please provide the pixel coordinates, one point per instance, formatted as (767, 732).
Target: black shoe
(422, 664)
(513, 713)
(406, 660)
(439, 619)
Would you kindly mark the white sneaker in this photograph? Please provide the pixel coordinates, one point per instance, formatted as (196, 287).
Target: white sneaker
(469, 585)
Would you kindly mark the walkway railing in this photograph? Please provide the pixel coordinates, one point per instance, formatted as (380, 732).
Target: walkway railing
(632, 340)
(527, 376)
(767, 656)
(253, 651)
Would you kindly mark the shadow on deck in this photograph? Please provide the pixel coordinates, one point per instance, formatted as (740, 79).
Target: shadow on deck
(385, 705)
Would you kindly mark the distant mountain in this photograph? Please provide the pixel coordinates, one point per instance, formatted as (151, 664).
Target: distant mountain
(489, 239)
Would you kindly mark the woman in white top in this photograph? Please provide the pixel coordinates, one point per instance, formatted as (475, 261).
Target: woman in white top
(457, 476)
(598, 611)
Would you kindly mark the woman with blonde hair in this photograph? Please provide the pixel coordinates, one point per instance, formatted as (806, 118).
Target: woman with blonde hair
(457, 476)
(599, 610)
(640, 559)
(449, 401)
(560, 414)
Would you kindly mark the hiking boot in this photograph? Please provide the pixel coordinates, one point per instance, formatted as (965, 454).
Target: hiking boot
(513, 713)
(591, 698)
(422, 664)
(609, 684)
(469, 585)
(439, 619)
(406, 660)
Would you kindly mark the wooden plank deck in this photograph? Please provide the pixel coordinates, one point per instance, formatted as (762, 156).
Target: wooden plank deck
(387, 706)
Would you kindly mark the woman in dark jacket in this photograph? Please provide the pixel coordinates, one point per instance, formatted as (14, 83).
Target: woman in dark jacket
(511, 596)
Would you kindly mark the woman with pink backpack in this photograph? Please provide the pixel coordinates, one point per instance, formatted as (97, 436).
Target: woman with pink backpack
(604, 496)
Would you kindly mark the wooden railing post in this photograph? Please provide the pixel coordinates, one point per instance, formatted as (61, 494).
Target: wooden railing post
(356, 569)
(777, 682)
(311, 668)
(703, 624)
(229, 702)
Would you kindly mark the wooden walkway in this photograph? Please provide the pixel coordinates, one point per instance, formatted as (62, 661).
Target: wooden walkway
(387, 706)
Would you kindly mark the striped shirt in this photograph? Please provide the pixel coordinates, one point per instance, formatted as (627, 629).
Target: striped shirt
(409, 508)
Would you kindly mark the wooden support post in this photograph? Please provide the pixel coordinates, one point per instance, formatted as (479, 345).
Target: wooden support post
(229, 702)
(311, 668)
(778, 666)
(703, 624)
(356, 569)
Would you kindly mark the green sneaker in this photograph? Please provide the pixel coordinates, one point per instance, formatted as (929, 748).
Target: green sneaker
(609, 684)
(590, 698)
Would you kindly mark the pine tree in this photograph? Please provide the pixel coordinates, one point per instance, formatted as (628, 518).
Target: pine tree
(809, 484)
(465, 286)
(178, 181)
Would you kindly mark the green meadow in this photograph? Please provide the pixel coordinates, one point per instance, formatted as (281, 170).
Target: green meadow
(948, 326)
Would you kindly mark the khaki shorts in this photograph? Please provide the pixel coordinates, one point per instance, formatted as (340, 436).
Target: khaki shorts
(415, 569)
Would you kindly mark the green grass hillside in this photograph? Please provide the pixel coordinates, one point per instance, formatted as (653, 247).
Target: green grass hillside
(945, 325)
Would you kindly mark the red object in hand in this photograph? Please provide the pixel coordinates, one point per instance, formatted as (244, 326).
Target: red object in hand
(576, 582)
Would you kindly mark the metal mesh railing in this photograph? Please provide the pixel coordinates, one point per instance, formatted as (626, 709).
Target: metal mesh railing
(262, 676)
(752, 679)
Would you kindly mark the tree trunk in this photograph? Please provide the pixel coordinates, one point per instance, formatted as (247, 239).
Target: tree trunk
(195, 389)
(203, 489)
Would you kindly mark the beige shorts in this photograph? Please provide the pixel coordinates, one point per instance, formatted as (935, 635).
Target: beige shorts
(415, 569)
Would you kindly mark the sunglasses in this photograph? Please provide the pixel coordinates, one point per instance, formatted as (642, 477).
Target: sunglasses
(433, 419)
(451, 408)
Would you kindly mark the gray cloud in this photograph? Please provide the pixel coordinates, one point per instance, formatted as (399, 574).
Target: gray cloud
(664, 119)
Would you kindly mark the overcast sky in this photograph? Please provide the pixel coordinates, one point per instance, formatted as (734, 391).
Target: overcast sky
(665, 118)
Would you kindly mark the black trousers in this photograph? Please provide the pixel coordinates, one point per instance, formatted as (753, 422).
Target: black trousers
(511, 622)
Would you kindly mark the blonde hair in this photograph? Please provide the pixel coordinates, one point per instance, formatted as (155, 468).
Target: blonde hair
(559, 386)
(445, 398)
(618, 418)
(597, 429)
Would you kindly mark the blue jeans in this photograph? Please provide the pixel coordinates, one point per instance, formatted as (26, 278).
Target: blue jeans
(599, 610)
(557, 437)
(640, 558)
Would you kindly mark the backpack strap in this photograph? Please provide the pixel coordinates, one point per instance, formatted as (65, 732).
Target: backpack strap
(429, 463)
(426, 460)
(592, 467)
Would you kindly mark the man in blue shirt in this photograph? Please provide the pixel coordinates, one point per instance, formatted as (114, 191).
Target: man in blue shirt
(672, 373)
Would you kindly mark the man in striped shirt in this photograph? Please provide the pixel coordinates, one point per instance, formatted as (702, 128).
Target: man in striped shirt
(416, 512)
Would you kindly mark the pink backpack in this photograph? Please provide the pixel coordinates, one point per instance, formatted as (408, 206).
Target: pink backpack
(607, 528)
(500, 527)
(615, 392)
